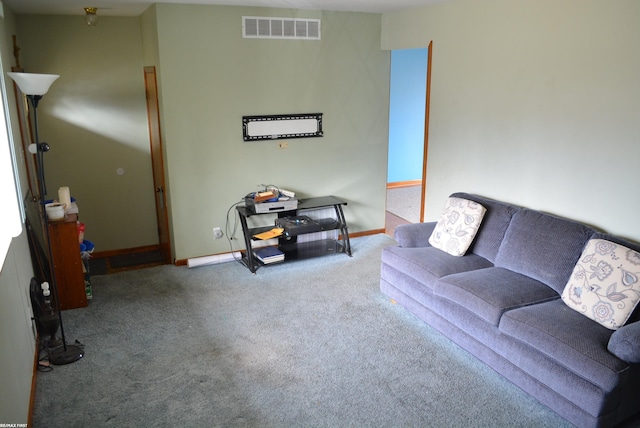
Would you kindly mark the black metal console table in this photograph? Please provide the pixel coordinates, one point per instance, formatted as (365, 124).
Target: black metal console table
(288, 243)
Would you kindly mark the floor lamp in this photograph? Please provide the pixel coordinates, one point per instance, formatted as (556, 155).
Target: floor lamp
(34, 86)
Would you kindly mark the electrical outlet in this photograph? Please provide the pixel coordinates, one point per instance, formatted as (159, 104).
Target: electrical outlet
(283, 144)
(217, 233)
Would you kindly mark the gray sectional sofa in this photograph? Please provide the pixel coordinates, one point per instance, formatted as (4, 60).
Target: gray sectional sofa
(501, 301)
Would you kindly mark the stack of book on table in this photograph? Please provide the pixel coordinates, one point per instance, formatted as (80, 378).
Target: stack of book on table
(268, 255)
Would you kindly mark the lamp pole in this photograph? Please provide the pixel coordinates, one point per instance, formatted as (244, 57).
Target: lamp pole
(34, 86)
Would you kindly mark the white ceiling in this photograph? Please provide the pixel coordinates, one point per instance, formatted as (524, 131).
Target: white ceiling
(136, 7)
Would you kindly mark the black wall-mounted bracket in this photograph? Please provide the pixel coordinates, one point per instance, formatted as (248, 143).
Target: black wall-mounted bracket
(282, 126)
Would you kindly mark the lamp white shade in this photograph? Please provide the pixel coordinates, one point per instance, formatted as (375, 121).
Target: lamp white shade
(32, 83)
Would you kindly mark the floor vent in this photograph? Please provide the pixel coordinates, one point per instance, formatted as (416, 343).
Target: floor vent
(280, 28)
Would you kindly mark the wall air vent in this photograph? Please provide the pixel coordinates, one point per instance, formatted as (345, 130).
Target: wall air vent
(257, 27)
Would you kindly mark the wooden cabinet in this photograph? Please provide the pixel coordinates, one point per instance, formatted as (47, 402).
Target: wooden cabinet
(65, 254)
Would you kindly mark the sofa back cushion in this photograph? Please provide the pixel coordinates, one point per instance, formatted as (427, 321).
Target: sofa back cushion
(494, 225)
(543, 247)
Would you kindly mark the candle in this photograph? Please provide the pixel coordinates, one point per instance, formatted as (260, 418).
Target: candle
(64, 197)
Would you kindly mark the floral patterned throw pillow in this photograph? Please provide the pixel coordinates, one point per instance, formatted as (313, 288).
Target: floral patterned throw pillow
(457, 226)
(605, 283)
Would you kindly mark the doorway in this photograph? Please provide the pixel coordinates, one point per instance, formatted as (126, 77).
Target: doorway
(408, 135)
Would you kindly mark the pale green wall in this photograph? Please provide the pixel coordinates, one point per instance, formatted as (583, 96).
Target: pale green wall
(536, 102)
(94, 118)
(16, 332)
(149, 33)
(16, 329)
(151, 57)
(210, 77)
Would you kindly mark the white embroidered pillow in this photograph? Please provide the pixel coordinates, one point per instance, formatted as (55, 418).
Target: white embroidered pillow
(457, 226)
(605, 283)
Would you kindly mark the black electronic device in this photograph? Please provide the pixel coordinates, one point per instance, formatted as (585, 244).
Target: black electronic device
(294, 220)
(298, 225)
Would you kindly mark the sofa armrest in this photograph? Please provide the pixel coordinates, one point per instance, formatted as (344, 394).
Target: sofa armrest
(414, 234)
(625, 343)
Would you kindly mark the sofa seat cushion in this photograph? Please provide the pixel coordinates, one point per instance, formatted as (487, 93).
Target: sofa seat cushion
(490, 292)
(575, 341)
(543, 247)
(428, 264)
(416, 290)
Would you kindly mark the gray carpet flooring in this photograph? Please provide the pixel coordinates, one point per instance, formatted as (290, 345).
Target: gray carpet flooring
(310, 343)
(405, 202)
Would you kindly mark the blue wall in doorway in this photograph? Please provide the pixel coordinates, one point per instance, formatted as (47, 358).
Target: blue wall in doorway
(408, 88)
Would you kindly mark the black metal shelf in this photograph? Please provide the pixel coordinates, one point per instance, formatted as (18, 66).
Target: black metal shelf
(310, 249)
(288, 243)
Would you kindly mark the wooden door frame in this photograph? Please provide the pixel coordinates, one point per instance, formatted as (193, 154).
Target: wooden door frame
(157, 164)
(426, 132)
